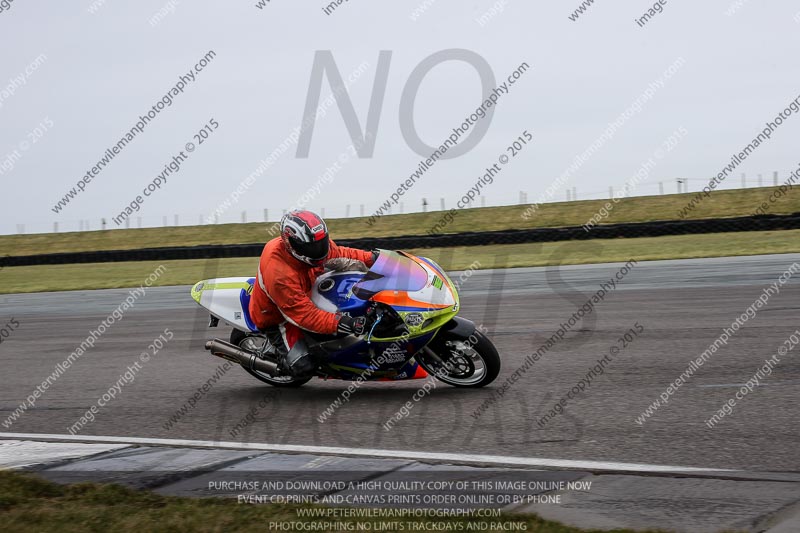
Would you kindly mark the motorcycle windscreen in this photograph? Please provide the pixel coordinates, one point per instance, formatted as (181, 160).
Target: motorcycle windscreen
(392, 271)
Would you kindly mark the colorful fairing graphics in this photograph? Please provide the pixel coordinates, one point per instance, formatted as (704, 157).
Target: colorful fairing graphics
(415, 289)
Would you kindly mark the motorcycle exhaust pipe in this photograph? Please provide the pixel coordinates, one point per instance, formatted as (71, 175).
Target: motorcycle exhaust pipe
(235, 354)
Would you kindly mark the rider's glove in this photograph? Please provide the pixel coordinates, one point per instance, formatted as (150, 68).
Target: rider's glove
(352, 326)
(344, 264)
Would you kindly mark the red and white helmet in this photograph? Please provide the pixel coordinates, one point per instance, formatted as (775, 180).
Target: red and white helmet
(305, 236)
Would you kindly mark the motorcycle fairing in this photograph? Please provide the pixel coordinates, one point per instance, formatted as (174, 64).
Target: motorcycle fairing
(333, 291)
(392, 271)
(227, 299)
(416, 288)
(353, 363)
(406, 284)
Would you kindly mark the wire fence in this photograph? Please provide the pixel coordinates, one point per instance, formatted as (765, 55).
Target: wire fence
(604, 231)
(662, 187)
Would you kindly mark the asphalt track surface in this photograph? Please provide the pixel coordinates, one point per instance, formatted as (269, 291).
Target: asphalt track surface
(682, 305)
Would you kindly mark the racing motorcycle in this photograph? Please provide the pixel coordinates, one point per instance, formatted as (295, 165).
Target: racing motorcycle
(415, 331)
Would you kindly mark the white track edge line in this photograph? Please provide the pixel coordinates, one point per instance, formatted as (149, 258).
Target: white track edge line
(484, 460)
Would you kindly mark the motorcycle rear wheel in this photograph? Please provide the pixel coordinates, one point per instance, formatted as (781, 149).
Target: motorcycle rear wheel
(251, 343)
(461, 363)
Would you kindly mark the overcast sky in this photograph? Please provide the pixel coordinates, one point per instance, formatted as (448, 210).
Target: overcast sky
(98, 72)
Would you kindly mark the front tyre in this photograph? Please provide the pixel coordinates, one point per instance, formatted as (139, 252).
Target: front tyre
(252, 343)
(459, 362)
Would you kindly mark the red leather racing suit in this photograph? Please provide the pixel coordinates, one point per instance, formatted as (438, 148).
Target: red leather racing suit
(281, 295)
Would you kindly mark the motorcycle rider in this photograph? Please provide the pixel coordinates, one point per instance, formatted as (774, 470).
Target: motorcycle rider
(281, 305)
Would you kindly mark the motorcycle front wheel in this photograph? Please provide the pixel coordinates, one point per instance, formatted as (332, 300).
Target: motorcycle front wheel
(469, 363)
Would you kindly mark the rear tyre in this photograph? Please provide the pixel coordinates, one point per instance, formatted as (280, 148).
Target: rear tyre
(251, 343)
(461, 363)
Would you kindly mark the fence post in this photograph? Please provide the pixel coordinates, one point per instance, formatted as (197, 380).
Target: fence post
(568, 195)
(661, 188)
(574, 193)
(760, 180)
(775, 178)
(266, 215)
(744, 180)
(244, 217)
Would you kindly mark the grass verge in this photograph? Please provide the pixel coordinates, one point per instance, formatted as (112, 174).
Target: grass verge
(30, 504)
(739, 202)
(132, 274)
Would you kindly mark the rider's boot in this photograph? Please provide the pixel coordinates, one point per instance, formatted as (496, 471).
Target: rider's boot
(300, 361)
(297, 362)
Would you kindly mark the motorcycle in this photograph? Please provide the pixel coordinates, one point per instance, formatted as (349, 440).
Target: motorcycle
(415, 332)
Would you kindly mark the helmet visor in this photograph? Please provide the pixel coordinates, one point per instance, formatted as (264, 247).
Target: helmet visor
(314, 251)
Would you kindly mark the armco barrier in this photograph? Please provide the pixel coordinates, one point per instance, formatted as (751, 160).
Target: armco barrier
(605, 231)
